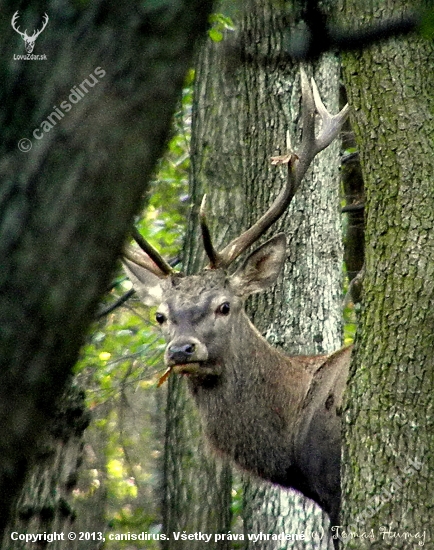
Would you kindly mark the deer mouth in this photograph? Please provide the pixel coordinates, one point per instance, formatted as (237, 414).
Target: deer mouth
(187, 368)
(196, 368)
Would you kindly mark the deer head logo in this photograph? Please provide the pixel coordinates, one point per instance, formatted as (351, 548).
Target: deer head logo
(29, 41)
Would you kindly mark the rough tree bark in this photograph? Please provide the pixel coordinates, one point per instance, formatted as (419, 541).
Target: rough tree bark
(65, 206)
(245, 101)
(388, 455)
(45, 503)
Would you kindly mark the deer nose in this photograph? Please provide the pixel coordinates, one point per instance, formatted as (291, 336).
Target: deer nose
(181, 353)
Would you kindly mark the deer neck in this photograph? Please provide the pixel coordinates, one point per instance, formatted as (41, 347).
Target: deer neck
(255, 404)
(267, 367)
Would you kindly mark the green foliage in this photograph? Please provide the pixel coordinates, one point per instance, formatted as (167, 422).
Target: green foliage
(237, 504)
(121, 364)
(163, 222)
(219, 24)
(349, 315)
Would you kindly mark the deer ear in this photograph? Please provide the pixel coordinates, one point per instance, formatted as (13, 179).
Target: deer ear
(145, 283)
(261, 268)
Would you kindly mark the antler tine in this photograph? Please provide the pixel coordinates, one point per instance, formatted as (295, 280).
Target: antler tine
(332, 124)
(139, 257)
(211, 252)
(297, 166)
(151, 254)
(306, 151)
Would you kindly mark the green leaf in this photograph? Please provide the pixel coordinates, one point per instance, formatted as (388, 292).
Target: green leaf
(215, 35)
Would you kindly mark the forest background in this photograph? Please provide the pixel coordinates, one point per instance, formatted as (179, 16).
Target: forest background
(142, 465)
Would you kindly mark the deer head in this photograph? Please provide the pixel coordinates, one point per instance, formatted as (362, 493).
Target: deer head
(264, 409)
(199, 315)
(29, 41)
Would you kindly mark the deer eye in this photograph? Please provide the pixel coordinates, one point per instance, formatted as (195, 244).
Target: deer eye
(224, 308)
(160, 318)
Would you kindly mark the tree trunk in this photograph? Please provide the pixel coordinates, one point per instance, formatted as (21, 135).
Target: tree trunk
(45, 505)
(303, 316)
(197, 489)
(245, 101)
(388, 454)
(66, 204)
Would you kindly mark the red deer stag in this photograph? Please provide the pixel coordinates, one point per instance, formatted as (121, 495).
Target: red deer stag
(275, 415)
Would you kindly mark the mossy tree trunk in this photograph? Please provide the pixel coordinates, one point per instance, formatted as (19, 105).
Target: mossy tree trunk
(389, 420)
(246, 98)
(66, 204)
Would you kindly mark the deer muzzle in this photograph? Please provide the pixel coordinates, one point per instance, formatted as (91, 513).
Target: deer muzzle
(181, 354)
(184, 352)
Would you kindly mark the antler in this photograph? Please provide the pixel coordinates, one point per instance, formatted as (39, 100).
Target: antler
(211, 252)
(297, 167)
(298, 163)
(147, 257)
